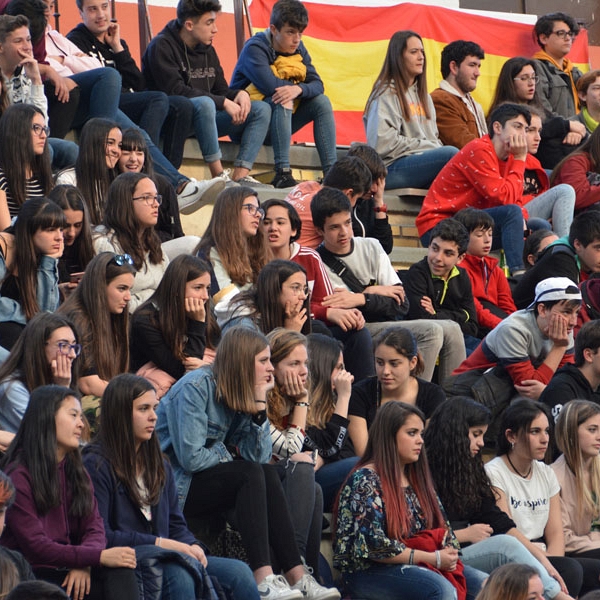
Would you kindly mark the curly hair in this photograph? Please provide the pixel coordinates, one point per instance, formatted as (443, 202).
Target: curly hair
(459, 477)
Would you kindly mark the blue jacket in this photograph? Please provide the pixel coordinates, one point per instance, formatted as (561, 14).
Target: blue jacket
(197, 431)
(254, 66)
(124, 523)
(47, 291)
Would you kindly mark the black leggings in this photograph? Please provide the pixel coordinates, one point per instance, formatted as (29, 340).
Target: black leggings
(106, 584)
(571, 571)
(259, 506)
(590, 562)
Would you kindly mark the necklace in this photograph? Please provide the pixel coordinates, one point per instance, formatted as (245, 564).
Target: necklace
(517, 471)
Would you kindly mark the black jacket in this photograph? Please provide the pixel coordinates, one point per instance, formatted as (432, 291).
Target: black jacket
(452, 299)
(133, 80)
(171, 67)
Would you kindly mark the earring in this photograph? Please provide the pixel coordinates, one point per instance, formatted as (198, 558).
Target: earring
(512, 445)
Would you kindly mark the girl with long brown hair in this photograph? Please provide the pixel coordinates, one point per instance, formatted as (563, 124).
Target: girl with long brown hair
(400, 117)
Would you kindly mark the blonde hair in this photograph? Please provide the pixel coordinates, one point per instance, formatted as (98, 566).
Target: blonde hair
(572, 415)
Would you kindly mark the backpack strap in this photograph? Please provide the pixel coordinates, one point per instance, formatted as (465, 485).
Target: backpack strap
(342, 270)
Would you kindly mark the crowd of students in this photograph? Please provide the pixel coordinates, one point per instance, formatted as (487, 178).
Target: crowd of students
(281, 367)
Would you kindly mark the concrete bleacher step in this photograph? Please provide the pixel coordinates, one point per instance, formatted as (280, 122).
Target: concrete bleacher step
(403, 204)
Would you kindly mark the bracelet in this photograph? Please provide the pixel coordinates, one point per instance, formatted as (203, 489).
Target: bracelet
(438, 560)
(307, 404)
(158, 541)
(260, 401)
(411, 557)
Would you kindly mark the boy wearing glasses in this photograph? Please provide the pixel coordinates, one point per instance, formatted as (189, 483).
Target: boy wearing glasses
(555, 33)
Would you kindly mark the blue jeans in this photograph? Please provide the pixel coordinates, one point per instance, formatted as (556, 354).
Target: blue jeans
(390, 582)
(501, 549)
(234, 576)
(284, 123)
(418, 170)
(210, 124)
(63, 153)
(557, 203)
(148, 109)
(161, 164)
(99, 93)
(331, 476)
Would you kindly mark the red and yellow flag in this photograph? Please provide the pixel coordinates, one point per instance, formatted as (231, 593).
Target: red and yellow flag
(348, 44)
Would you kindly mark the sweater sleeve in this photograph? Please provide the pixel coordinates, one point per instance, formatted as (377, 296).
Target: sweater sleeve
(286, 441)
(27, 527)
(574, 171)
(330, 440)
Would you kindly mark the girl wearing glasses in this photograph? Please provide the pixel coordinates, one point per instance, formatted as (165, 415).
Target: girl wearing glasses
(103, 320)
(234, 245)
(130, 216)
(400, 117)
(95, 167)
(29, 253)
(135, 158)
(175, 328)
(54, 521)
(280, 298)
(25, 170)
(45, 353)
(518, 83)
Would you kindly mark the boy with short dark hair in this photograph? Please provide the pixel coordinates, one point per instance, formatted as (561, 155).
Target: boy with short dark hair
(581, 380)
(437, 288)
(491, 292)
(275, 65)
(363, 277)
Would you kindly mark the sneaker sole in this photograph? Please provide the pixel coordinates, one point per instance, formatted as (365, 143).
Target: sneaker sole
(208, 197)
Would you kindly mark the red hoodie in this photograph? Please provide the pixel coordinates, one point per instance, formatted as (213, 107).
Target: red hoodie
(494, 288)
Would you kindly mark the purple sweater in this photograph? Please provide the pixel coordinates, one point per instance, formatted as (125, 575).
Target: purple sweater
(56, 539)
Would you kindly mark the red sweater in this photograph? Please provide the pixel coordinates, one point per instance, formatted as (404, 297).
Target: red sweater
(494, 288)
(475, 177)
(574, 172)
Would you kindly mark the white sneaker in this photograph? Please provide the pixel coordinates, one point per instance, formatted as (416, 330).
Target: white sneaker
(311, 590)
(225, 176)
(253, 183)
(275, 587)
(198, 193)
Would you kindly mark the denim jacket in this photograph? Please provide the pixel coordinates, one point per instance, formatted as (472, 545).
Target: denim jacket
(197, 431)
(47, 291)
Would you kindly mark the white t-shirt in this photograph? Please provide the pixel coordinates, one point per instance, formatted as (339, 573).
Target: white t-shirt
(528, 499)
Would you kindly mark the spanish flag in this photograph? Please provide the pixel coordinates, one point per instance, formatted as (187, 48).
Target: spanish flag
(347, 44)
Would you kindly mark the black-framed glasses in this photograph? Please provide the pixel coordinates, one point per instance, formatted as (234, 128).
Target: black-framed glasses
(39, 129)
(149, 199)
(121, 259)
(254, 210)
(65, 348)
(563, 33)
(527, 78)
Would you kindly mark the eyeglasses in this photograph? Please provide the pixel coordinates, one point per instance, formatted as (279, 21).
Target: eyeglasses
(149, 199)
(65, 348)
(298, 289)
(39, 129)
(527, 78)
(121, 259)
(254, 210)
(563, 33)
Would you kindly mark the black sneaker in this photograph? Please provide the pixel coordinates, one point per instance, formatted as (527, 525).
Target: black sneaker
(283, 179)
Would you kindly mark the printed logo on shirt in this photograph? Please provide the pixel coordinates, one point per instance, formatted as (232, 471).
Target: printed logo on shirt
(528, 503)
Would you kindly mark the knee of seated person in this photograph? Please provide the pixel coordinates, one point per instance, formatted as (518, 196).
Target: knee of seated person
(322, 102)
(204, 105)
(260, 109)
(565, 190)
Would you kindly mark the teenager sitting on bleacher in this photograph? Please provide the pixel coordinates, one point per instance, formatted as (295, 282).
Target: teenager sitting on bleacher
(400, 117)
(488, 174)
